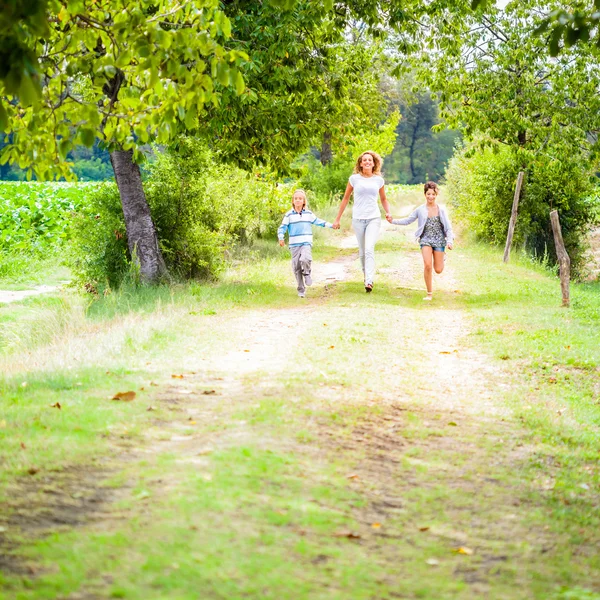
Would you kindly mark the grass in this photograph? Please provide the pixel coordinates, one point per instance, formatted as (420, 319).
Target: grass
(350, 428)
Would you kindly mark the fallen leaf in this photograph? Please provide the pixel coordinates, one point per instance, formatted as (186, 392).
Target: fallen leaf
(445, 352)
(209, 392)
(23, 446)
(151, 408)
(141, 389)
(33, 470)
(452, 424)
(347, 534)
(463, 550)
(184, 391)
(177, 376)
(192, 422)
(155, 384)
(375, 525)
(352, 476)
(124, 396)
(432, 561)
(551, 379)
(424, 528)
(331, 347)
(205, 451)
(246, 350)
(56, 405)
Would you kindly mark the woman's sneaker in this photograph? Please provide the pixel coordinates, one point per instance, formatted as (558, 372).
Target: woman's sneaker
(301, 295)
(308, 279)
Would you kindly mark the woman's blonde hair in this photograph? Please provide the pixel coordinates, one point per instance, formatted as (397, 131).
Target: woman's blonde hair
(377, 162)
(299, 191)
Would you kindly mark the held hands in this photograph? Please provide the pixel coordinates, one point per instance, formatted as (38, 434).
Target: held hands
(449, 246)
(282, 243)
(388, 217)
(336, 224)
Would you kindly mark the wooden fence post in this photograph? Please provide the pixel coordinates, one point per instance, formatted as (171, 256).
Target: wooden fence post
(513, 216)
(563, 258)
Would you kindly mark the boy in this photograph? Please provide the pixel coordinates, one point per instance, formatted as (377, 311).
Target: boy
(298, 223)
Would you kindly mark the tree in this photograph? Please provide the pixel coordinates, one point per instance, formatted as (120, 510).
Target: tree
(497, 82)
(311, 76)
(125, 72)
(495, 78)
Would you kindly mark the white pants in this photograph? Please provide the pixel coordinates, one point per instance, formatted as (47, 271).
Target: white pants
(367, 232)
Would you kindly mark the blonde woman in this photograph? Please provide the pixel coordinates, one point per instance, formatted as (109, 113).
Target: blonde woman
(367, 184)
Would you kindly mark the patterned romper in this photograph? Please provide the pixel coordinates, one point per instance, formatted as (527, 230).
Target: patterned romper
(433, 233)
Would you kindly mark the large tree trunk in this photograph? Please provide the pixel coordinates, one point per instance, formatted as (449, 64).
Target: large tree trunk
(326, 153)
(141, 233)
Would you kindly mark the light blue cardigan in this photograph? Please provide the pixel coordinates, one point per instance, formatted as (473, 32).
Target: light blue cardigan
(421, 213)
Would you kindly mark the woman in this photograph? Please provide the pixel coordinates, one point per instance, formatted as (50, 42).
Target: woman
(367, 185)
(434, 233)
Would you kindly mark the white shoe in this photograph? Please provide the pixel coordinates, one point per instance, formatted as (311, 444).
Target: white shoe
(428, 297)
(308, 279)
(301, 295)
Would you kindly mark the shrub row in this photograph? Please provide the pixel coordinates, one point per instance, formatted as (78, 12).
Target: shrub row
(480, 186)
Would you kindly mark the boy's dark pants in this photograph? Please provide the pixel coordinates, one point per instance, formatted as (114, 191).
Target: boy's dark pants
(301, 263)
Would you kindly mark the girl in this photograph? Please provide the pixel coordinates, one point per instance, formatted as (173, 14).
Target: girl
(367, 185)
(298, 223)
(434, 233)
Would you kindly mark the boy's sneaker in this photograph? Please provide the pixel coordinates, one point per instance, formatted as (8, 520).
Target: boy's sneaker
(308, 279)
(301, 295)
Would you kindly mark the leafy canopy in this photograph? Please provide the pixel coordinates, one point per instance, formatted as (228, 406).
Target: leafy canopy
(122, 71)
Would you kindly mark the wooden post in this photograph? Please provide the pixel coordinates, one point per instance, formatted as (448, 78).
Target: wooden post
(513, 216)
(563, 258)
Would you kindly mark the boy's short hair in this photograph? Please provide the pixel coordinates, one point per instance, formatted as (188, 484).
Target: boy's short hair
(299, 191)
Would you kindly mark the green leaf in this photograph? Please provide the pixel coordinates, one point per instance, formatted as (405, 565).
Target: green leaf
(3, 117)
(240, 85)
(64, 146)
(87, 137)
(29, 90)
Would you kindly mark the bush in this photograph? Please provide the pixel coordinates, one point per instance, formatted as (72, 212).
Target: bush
(98, 255)
(480, 186)
(200, 209)
(35, 217)
(326, 183)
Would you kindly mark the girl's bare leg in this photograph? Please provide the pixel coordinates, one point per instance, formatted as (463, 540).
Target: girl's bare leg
(427, 252)
(438, 262)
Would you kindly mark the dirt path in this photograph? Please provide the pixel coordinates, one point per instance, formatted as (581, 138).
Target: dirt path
(421, 432)
(7, 296)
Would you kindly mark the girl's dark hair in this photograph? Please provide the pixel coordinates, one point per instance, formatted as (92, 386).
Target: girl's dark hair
(431, 185)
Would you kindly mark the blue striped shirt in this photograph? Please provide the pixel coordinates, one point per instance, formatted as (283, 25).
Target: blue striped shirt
(299, 227)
